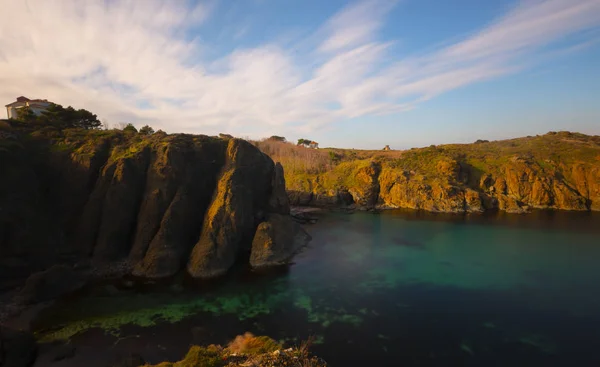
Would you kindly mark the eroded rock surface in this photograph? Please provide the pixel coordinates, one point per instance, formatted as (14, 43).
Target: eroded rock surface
(554, 171)
(276, 241)
(127, 203)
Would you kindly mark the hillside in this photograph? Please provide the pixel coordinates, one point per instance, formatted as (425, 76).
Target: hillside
(553, 171)
(150, 205)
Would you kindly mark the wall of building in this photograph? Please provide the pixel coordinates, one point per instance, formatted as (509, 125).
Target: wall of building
(37, 109)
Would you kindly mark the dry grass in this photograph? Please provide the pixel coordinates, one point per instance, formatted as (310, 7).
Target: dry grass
(296, 159)
(253, 345)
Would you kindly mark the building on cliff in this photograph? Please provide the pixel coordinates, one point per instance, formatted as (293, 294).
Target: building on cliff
(37, 106)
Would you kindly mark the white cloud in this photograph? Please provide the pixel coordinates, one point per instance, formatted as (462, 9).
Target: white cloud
(130, 60)
(356, 24)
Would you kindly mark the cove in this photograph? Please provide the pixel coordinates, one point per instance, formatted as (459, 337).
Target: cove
(398, 288)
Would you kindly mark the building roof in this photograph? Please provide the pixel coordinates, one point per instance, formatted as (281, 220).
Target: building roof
(25, 99)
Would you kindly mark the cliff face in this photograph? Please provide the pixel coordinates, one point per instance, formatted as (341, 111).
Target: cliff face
(554, 171)
(158, 204)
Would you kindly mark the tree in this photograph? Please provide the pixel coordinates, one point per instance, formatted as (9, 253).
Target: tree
(69, 117)
(25, 114)
(130, 128)
(86, 120)
(277, 138)
(146, 130)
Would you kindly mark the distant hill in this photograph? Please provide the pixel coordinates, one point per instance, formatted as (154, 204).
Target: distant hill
(558, 170)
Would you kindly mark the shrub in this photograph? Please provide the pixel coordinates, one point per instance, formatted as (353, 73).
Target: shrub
(146, 130)
(130, 128)
(202, 357)
(277, 138)
(253, 345)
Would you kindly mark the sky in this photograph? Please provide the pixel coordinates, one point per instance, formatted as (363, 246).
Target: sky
(352, 74)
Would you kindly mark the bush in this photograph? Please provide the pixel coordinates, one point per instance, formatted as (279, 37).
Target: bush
(146, 130)
(253, 345)
(202, 357)
(130, 128)
(277, 138)
(69, 117)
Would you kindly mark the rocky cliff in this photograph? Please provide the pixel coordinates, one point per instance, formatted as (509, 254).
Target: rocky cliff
(553, 171)
(155, 204)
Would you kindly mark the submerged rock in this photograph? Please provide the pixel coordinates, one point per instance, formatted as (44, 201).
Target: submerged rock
(50, 284)
(276, 241)
(17, 348)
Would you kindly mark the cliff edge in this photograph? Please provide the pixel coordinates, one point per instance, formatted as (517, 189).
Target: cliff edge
(559, 170)
(153, 204)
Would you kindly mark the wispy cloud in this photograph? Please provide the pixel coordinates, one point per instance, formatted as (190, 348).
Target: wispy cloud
(356, 24)
(133, 60)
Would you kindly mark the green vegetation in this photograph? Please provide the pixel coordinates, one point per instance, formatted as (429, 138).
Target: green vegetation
(25, 114)
(60, 117)
(146, 130)
(544, 150)
(556, 170)
(248, 350)
(277, 138)
(130, 129)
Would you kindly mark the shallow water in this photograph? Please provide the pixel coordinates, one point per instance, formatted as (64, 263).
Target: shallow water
(396, 288)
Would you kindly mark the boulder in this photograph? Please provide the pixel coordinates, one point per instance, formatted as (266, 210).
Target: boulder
(17, 348)
(276, 241)
(50, 284)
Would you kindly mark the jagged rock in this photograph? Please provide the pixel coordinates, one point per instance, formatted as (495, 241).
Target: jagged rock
(17, 348)
(276, 241)
(149, 205)
(50, 284)
(279, 201)
(443, 179)
(242, 194)
(301, 198)
(125, 179)
(366, 192)
(170, 234)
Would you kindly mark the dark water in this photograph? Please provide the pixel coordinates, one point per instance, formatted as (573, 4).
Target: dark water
(390, 289)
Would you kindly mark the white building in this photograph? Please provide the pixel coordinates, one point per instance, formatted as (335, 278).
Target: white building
(37, 106)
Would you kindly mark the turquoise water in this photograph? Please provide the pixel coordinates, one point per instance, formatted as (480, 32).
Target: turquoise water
(396, 288)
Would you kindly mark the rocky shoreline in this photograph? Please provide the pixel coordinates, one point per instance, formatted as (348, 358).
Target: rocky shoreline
(556, 171)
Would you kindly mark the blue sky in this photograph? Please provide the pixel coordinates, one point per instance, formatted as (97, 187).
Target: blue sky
(354, 74)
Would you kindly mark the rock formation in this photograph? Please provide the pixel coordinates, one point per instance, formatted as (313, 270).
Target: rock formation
(276, 240)
(152, 205)
(554, 171)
